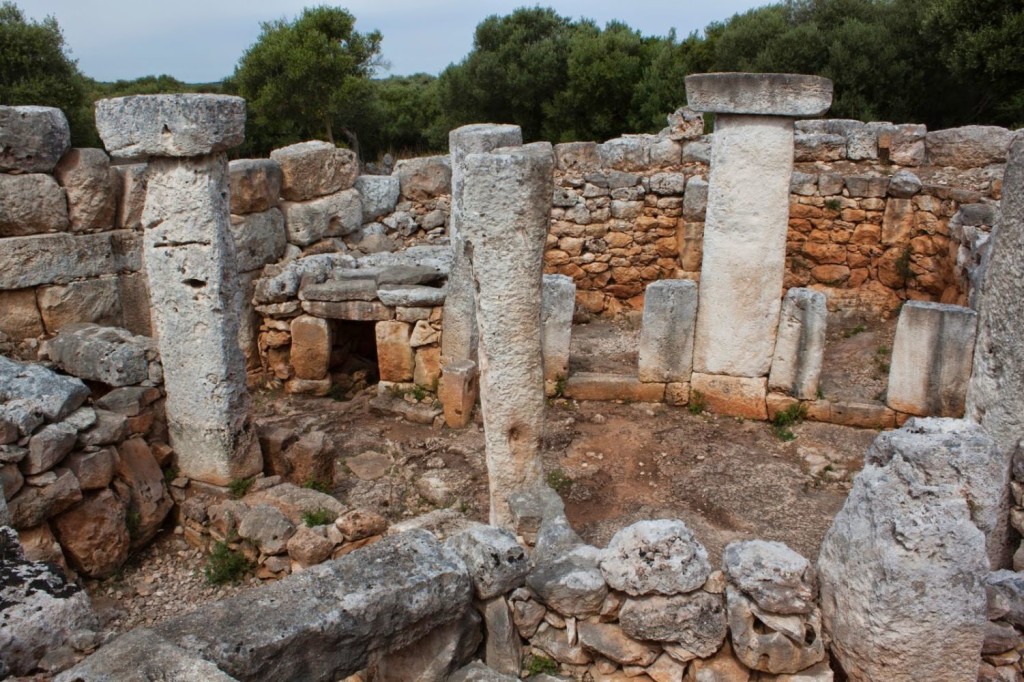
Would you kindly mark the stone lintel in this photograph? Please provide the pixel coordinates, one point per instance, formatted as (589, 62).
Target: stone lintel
(764, 94)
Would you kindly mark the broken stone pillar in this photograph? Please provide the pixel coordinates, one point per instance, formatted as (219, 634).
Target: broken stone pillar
(458, 390)
(559, 302)
(190, 261)
(666, 335)
(747, 212)
(505, 199)
(800, 348)
(459, 339)
(931, 359)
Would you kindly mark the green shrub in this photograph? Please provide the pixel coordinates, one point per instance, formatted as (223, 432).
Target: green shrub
(784, 419)
(318, 484)
(537, 665)
(225, 565)
(698, 403)
(240, 486)
(320, 517)
(558, 481)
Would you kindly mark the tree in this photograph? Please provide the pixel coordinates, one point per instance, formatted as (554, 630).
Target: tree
(409, 118)
(306, 78)
(35, 68)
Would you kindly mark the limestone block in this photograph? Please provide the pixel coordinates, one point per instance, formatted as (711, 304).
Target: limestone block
(744, 246)
(32, 139)
(434, 657)
(94, 470)
(665, 152)
(931, 359)
(458, 392)
(902, 571)
(667, 184)
(733, 396)
(89, 300)
(968, 146)
(20, 319)
(86, 178)
(255, 185)
(557, 306)
(570, 582)
(40, 390)
(347, 289)
(107, 354)
(47, 447)
(312, 340)
(428, 367)
(395, 356)
(577, 156)
(866, 186)
(315, 169)
(141, 484)
(361, 311)
(666, 337)
(608, 640)
(35, 504)
(94, 535)
(31, 204)
(424, 178)
(819, 147)
(130, 187)
(133, 290)
(775, 94)
(260, 238)
(655, 557)
(379, 194)
(170, 125)
(504, 650)
(496, 562)
(600, 386)
(907, 144)
(904, 185)
(334, 215)
(625, 153)
(804, 184)
(772, 643)
(800, 345)
(62, 258)
(695, 621)
(775, 577)
(412, 295)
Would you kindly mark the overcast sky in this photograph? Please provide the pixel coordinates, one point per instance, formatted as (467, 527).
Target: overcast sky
(199, 41)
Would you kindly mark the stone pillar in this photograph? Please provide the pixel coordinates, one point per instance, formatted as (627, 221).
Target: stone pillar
(666, 334)
(190, 261)
(505, 200)
(559, 302)
(459, 338)
(796, 366)
(931, 359)
(747, 212)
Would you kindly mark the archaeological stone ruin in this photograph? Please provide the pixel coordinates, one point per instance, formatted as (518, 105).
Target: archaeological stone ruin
(153, 292)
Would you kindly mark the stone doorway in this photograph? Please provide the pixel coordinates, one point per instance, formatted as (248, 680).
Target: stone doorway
(354, 362)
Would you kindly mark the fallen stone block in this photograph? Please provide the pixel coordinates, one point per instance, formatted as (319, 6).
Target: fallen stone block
(599, 386)
(111, 355)
(496, 562)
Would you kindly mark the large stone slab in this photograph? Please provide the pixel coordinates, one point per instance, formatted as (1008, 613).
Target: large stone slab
(602, 386)
(334, 215)
(968, 146)
(379, 194)
(800, 345)
(733, 396)
(170, 125)
(314, 169)
(130, 188)
(931, 359)
(557, 306)
(32, 139)
(655, 557)
(31, 204)
(765, 94)
(425, 177)
(61, 258)
(255, 185)
(86, 178)
(666, 337)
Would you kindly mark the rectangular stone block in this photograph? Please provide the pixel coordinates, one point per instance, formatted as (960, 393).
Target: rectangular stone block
(666, 336)
(255, 185)
(135, 308)
(458, 392)
(311, 347)
(260, 239)
(130, 187)
(733, 396)
(558, 304)
(19, 316)
(61, 258)
(428, 367)
(931, 359)
(800, 345)
(91, 300)
(31, 204)
(334, 215)
(360, 311)
(395, 357)
(862, 414)
(598, 386)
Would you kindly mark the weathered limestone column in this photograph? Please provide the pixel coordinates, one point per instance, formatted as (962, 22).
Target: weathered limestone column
(666, 335)
(800, 348)
(459, 337)
(190, 261)
(559, 302)
(747, 212)
(505, 200)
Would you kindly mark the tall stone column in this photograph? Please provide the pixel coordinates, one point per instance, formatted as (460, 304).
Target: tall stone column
(505, 202)
(190, 261)
(747, 213)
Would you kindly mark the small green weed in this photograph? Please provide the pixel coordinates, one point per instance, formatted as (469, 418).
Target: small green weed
(320, 517)
(853, 331)
(133, 520)
(170, 473)
(560, 382)
(240, 486)
(882, 359)
(336, 392)
(537, 665)
(225, 565)
(903, 266)
(558, 481)
(783, 420)
(318, 484)
(698, 403)
(418, 392)
(833, 204)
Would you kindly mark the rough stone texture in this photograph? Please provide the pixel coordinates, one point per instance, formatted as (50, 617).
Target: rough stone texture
(141, 655)
(566, 576)
(86, 178)
(21, 319)
(39, 608)
(110, 355)
(772, 643)
(182, 125)
(32, 138)
(931, 359)
(91, 300)
(294, 501)
(40, 390)
(308, 547)
(379, 194)
(733, 396)
(505, 202)
(94, 470)
(1005, 594)
(774, 94)
(478, 672)
(190, 259)
(800, 345)
(666, 337)
(902, 569)
(93, 534)
(395, 357)
(314, 169)
(744, 245)
(694, 621)
(496, 562)
(260, 238)
(31, 204)
(778, 579)
(141, 484)
(608, 640)
(62, 258)
(327, 621)
(416, 295)
(559, 302)
(458, 391)
(600, 386)
(968, 146)
(504, 650)
(311, 347)
(655, 557)
(425, 177)
(334, 215)
(130, 190)
(434, 657)
(255, 185)
(47, 447)
(362, 311)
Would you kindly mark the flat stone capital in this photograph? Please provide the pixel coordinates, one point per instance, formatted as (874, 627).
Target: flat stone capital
(170, 125)
(764, 94)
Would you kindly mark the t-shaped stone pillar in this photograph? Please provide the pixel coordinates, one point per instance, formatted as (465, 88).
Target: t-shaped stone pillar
(190, 262)
(748, 212)
(506, 199)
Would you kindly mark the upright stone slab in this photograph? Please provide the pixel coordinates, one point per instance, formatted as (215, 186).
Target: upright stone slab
(505, 199)
(931, 359)
(800, 346)
(666, 337)
(190, 261)
(747, 213)
(459, 339)
(557, 306)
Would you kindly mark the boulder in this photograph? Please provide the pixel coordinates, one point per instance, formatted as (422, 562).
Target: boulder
(695, 622)
(315, 169)
(497, 563)
(144, 489)
(655, 557)
(379, 194)
(424, 178)
(47, 447)
(608, 640)
(34, 504)
(267, 528)
(566, 575)
(86, 178)
(968, 146)
(94, 534)
(778, 579)
(32, 138)
(308, 547)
